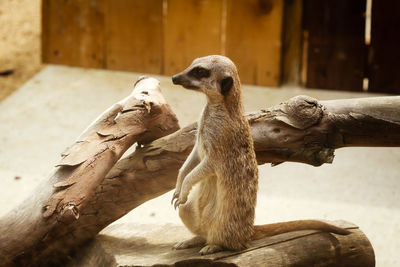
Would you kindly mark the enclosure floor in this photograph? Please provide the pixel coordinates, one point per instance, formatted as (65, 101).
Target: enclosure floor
(45, 115)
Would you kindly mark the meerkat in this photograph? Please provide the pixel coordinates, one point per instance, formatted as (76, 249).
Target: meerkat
(221, 172)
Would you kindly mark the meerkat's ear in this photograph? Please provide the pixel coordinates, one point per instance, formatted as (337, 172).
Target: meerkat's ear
(226, 85)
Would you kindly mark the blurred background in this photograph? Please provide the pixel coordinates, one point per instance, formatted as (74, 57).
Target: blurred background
(62, 62)
(341, 45)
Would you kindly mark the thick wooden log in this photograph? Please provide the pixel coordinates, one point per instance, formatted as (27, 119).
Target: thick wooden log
(150, 245)
(301, 129)
(41, 227)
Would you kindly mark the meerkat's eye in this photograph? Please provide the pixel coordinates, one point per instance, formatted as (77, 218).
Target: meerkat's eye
(199, 73)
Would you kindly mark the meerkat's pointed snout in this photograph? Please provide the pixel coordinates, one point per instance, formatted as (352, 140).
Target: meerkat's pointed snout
(183, 79)
(176, 79)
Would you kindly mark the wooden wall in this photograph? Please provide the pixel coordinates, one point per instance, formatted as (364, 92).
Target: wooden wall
(336, 44)
(73, 33)
(384, 52)
(314, 43)
(336, 52)
(164, 36)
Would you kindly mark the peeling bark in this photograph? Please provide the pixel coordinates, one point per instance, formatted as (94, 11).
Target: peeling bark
(300, 130)
(38, 226)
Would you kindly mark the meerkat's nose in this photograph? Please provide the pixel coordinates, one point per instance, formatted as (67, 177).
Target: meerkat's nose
(175, 79)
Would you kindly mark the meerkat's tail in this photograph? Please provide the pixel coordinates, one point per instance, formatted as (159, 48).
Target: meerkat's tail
(265, 230)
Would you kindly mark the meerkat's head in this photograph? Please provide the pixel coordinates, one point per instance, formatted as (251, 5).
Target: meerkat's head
(215, 75)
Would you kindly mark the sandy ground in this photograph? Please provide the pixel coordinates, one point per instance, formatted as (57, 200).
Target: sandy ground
(46, 115)
(19, 43)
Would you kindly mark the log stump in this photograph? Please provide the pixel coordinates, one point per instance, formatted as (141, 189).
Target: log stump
(151, 245)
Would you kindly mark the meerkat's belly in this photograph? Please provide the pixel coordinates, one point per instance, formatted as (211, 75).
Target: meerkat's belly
(206, 203)
(197, 212)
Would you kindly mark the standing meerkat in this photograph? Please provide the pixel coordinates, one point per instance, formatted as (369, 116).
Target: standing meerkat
(221, 172)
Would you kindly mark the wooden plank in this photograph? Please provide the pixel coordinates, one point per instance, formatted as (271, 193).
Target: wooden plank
(72, 32)
(253, 39)
(384, 50)
(292, 36)
(134, 35)
(192, 29)
(150, 245)
(336, 48)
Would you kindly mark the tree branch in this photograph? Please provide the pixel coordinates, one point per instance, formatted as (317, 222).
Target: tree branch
(308, 131)
(37, 225)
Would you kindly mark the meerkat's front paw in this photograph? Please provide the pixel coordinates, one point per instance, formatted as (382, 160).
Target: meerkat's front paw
(177, 199)
(209, 249)
(175, 196)
(180, 201)
(183, 196)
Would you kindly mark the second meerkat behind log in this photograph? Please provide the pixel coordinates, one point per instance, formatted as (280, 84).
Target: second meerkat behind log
(221, 172)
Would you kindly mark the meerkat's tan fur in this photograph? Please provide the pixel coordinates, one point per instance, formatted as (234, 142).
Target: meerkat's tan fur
(221, 172)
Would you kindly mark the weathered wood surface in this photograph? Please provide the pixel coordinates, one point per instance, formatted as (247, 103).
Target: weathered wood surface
(292, 30)
(73, 34)
(306, 130)
(164, 36)
(54, 221)
(192, 29)
(254, 39)
(149, 245)
(134, 35)
(384, 53)
(336, 44)
(44, 224)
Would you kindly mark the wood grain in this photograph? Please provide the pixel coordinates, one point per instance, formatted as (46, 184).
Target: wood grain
(292, 47)
(253, 39)
(336, 46)
(73, 32)
(150, 245)
(164, 36)
(384, 51)
(134, 35)
(192, 29)
(31, 234)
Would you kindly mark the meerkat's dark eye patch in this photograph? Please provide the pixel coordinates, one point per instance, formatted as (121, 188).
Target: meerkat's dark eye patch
(199, 72)
(226, 85)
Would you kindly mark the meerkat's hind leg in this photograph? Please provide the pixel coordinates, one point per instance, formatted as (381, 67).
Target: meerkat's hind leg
(210, 249)
(196, 241)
